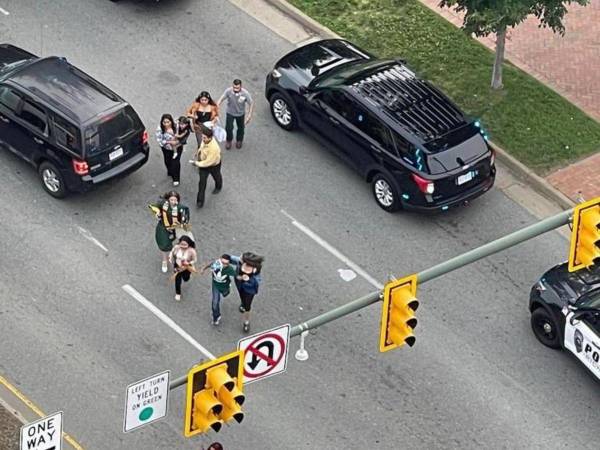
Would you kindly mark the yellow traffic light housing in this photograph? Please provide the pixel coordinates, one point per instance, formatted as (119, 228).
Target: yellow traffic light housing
(585, 236)
(214, 394)
(398, 319)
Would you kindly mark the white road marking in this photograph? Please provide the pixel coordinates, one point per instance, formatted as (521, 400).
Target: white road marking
(335, 252)
(86, 234)
(3, 11)
(166, 319)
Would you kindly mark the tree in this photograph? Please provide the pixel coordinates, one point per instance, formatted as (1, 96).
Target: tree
(483, 17)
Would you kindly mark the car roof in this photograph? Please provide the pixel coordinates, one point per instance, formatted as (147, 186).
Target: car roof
(416, 105)
(65, 88)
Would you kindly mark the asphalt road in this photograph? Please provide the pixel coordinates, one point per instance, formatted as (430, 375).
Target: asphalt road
(73, 339)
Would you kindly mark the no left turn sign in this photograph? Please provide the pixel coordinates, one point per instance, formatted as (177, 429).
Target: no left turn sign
(265, 353)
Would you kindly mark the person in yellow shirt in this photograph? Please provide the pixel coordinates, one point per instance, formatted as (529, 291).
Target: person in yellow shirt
(208, 161)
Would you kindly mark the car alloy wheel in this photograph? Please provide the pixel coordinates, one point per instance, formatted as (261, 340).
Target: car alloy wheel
(52, 180)
(545, 329)
(283, 112)
(385, 193)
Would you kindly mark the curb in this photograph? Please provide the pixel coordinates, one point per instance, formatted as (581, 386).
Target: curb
(518, 169)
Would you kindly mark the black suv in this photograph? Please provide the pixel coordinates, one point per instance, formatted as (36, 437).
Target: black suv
(399, 132)
(565, 313)
(72, 129)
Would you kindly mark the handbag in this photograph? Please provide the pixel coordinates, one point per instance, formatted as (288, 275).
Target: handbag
(218, 131)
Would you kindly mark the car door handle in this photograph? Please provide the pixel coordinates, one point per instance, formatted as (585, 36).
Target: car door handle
(337, 122)
(375, 149)
(38, 140)
(4, 119)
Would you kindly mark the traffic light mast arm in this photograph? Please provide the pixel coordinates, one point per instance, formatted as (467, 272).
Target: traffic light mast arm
(438, 270)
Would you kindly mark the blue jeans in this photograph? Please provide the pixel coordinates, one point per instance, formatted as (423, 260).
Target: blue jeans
(216, 303)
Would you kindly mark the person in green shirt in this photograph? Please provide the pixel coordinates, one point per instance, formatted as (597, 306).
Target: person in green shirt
(222, 271)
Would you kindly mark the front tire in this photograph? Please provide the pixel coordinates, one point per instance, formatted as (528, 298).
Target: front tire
(283, 112)
(385, 193)
(52, 180)
(545, 328)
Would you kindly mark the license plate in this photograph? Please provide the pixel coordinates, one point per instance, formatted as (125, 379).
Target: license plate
(464, 178)
(117, 153)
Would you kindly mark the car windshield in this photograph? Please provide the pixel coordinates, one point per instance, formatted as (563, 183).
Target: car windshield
(591, 301)
(452, 138)
(340, 74)
(111, 129)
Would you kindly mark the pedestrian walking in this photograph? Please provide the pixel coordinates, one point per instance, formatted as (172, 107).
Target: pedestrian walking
(204, 109)
(170, 214)
(165, 136)
(208, 161)
(222, 271)
(215, 446)
(247, 281)
(239, 110)
(183, 256)
(182, 132)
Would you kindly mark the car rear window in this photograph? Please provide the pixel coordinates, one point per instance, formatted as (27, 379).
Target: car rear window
(110, 129)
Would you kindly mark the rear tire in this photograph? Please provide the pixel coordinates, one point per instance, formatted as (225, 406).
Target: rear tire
(545, 328)
(283, 111)
(52, 180)
(385, 193)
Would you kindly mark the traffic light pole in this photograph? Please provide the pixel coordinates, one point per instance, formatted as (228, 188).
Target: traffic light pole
(457, 262)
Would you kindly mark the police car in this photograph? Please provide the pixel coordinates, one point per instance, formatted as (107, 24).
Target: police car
(565, 313)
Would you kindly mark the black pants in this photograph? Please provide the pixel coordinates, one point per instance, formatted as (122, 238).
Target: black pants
(173, 165)
(204, 172)
(241, 125)
(179, 278)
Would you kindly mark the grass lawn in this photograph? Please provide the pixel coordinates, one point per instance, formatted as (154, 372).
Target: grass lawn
(530, 121)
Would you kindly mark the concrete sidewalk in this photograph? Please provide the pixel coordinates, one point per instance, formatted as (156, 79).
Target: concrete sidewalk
(568, 64)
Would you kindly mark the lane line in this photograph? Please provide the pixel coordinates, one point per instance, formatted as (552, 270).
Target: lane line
(86, 234)
(3, 11)
(335, 252)
(35, 409)
(166, 319)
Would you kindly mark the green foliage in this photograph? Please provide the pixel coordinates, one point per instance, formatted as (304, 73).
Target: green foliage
(529, 120)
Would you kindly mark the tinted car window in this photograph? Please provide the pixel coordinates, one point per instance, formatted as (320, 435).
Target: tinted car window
(10, 99)
(339, 103)
(375, 129)
(66, 134)
(34, 115)
(117, 126)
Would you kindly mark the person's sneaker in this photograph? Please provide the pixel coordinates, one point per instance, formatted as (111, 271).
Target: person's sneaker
(165, 267)
(177, 297)
(175, 183)
(238, 144)
(242, 310)
(199, 204)
(246, 327)
(217, 322)
(216, 191)
(228, 145)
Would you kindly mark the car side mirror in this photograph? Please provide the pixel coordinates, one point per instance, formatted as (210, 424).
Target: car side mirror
(578, 315)
(303, 90)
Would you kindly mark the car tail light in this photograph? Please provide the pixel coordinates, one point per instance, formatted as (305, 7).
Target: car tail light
(80, 167)
(492, 157)
(425, 186)
(145, 137)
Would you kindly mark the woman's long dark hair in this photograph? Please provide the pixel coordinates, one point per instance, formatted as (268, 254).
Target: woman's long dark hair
(206, 94)
(166, 116)
(189, 241)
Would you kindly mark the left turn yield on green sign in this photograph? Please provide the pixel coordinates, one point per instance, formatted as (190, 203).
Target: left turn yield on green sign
(146, 401)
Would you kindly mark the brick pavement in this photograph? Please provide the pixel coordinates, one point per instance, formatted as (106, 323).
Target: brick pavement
(570, 65)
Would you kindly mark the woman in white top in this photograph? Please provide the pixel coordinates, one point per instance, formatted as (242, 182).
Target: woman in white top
(183, 257)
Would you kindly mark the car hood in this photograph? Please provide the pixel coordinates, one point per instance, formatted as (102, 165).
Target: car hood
(571, 284)
(304, 64)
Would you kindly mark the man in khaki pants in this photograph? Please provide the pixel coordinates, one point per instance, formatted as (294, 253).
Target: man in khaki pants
(208, 161)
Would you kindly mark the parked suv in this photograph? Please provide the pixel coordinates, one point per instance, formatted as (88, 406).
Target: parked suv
(72, 129)
(403, 135)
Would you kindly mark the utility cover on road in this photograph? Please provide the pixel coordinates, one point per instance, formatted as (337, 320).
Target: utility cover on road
(146, 401)
(45, 434)
(265, 353)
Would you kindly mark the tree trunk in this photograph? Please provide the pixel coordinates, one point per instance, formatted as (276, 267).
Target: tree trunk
(497, 73)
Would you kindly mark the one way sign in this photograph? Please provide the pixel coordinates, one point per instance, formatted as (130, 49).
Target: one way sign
(265, 353)
(45, 434)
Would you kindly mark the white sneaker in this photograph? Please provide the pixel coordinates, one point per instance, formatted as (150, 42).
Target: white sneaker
(165, 267)
(177, 297)
(175, 183)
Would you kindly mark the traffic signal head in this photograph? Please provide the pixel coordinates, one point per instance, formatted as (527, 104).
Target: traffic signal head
(398, 319)
(214, 394)
(585, 236)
